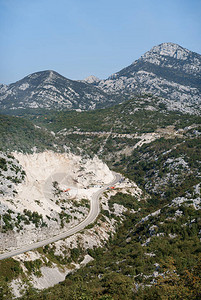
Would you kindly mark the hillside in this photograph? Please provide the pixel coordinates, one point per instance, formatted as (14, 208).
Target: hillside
(44, 194)
(152, 257)
(155, 252)
(23, 135)
(140, 114)
(167, 70)
(157, 149)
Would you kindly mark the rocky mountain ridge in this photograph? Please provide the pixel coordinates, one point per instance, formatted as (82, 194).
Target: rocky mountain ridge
(50, 90)
(168, 71)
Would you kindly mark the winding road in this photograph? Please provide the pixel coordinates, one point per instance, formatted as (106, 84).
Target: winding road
(93, 213)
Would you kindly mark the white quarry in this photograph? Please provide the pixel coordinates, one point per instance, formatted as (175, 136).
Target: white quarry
(55, 192)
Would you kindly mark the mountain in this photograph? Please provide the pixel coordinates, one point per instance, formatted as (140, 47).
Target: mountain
(168, 71)
(48, 89)
(92, 79)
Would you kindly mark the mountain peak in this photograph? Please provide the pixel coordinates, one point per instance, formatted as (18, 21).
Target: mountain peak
(48, 89)
(92, 79)
(167, 49)
(45, 73)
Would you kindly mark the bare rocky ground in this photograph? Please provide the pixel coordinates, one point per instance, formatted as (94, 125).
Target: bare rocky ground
(53, 196)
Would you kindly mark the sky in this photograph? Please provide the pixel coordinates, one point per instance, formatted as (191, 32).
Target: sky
(79, 38)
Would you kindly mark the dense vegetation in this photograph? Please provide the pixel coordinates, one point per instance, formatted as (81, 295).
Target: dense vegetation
(165, 168)
(20, 134)
(141, 114)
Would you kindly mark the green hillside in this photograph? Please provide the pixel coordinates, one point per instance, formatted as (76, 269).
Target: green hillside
(141, 114)
(165, 244)
(21, 134)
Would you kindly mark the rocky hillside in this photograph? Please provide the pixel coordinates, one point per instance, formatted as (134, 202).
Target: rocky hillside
(167, 70)
(43, 194)
(11, 173)
(48, 89)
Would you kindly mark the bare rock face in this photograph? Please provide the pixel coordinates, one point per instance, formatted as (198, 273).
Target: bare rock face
(169, 50)
(43, 194)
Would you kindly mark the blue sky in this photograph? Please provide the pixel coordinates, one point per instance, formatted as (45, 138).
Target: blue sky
(78, 38)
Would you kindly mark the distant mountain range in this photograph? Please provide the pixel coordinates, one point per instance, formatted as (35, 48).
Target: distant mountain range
(168, 71)
(50, 90)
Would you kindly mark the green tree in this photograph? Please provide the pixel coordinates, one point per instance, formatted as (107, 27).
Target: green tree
(118, 286)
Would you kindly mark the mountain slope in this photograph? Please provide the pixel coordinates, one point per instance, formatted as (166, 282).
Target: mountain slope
(18, 134)
(168, 71)
(48, 89)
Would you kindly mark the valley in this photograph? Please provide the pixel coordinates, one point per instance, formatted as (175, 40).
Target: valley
(100, 182)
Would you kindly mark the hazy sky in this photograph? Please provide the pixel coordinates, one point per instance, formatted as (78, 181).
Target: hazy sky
(78, 38)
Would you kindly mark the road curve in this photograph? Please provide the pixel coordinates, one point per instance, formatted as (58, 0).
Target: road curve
(93, 213)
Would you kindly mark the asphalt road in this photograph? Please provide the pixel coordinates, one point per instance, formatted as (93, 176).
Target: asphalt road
(93, 213)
